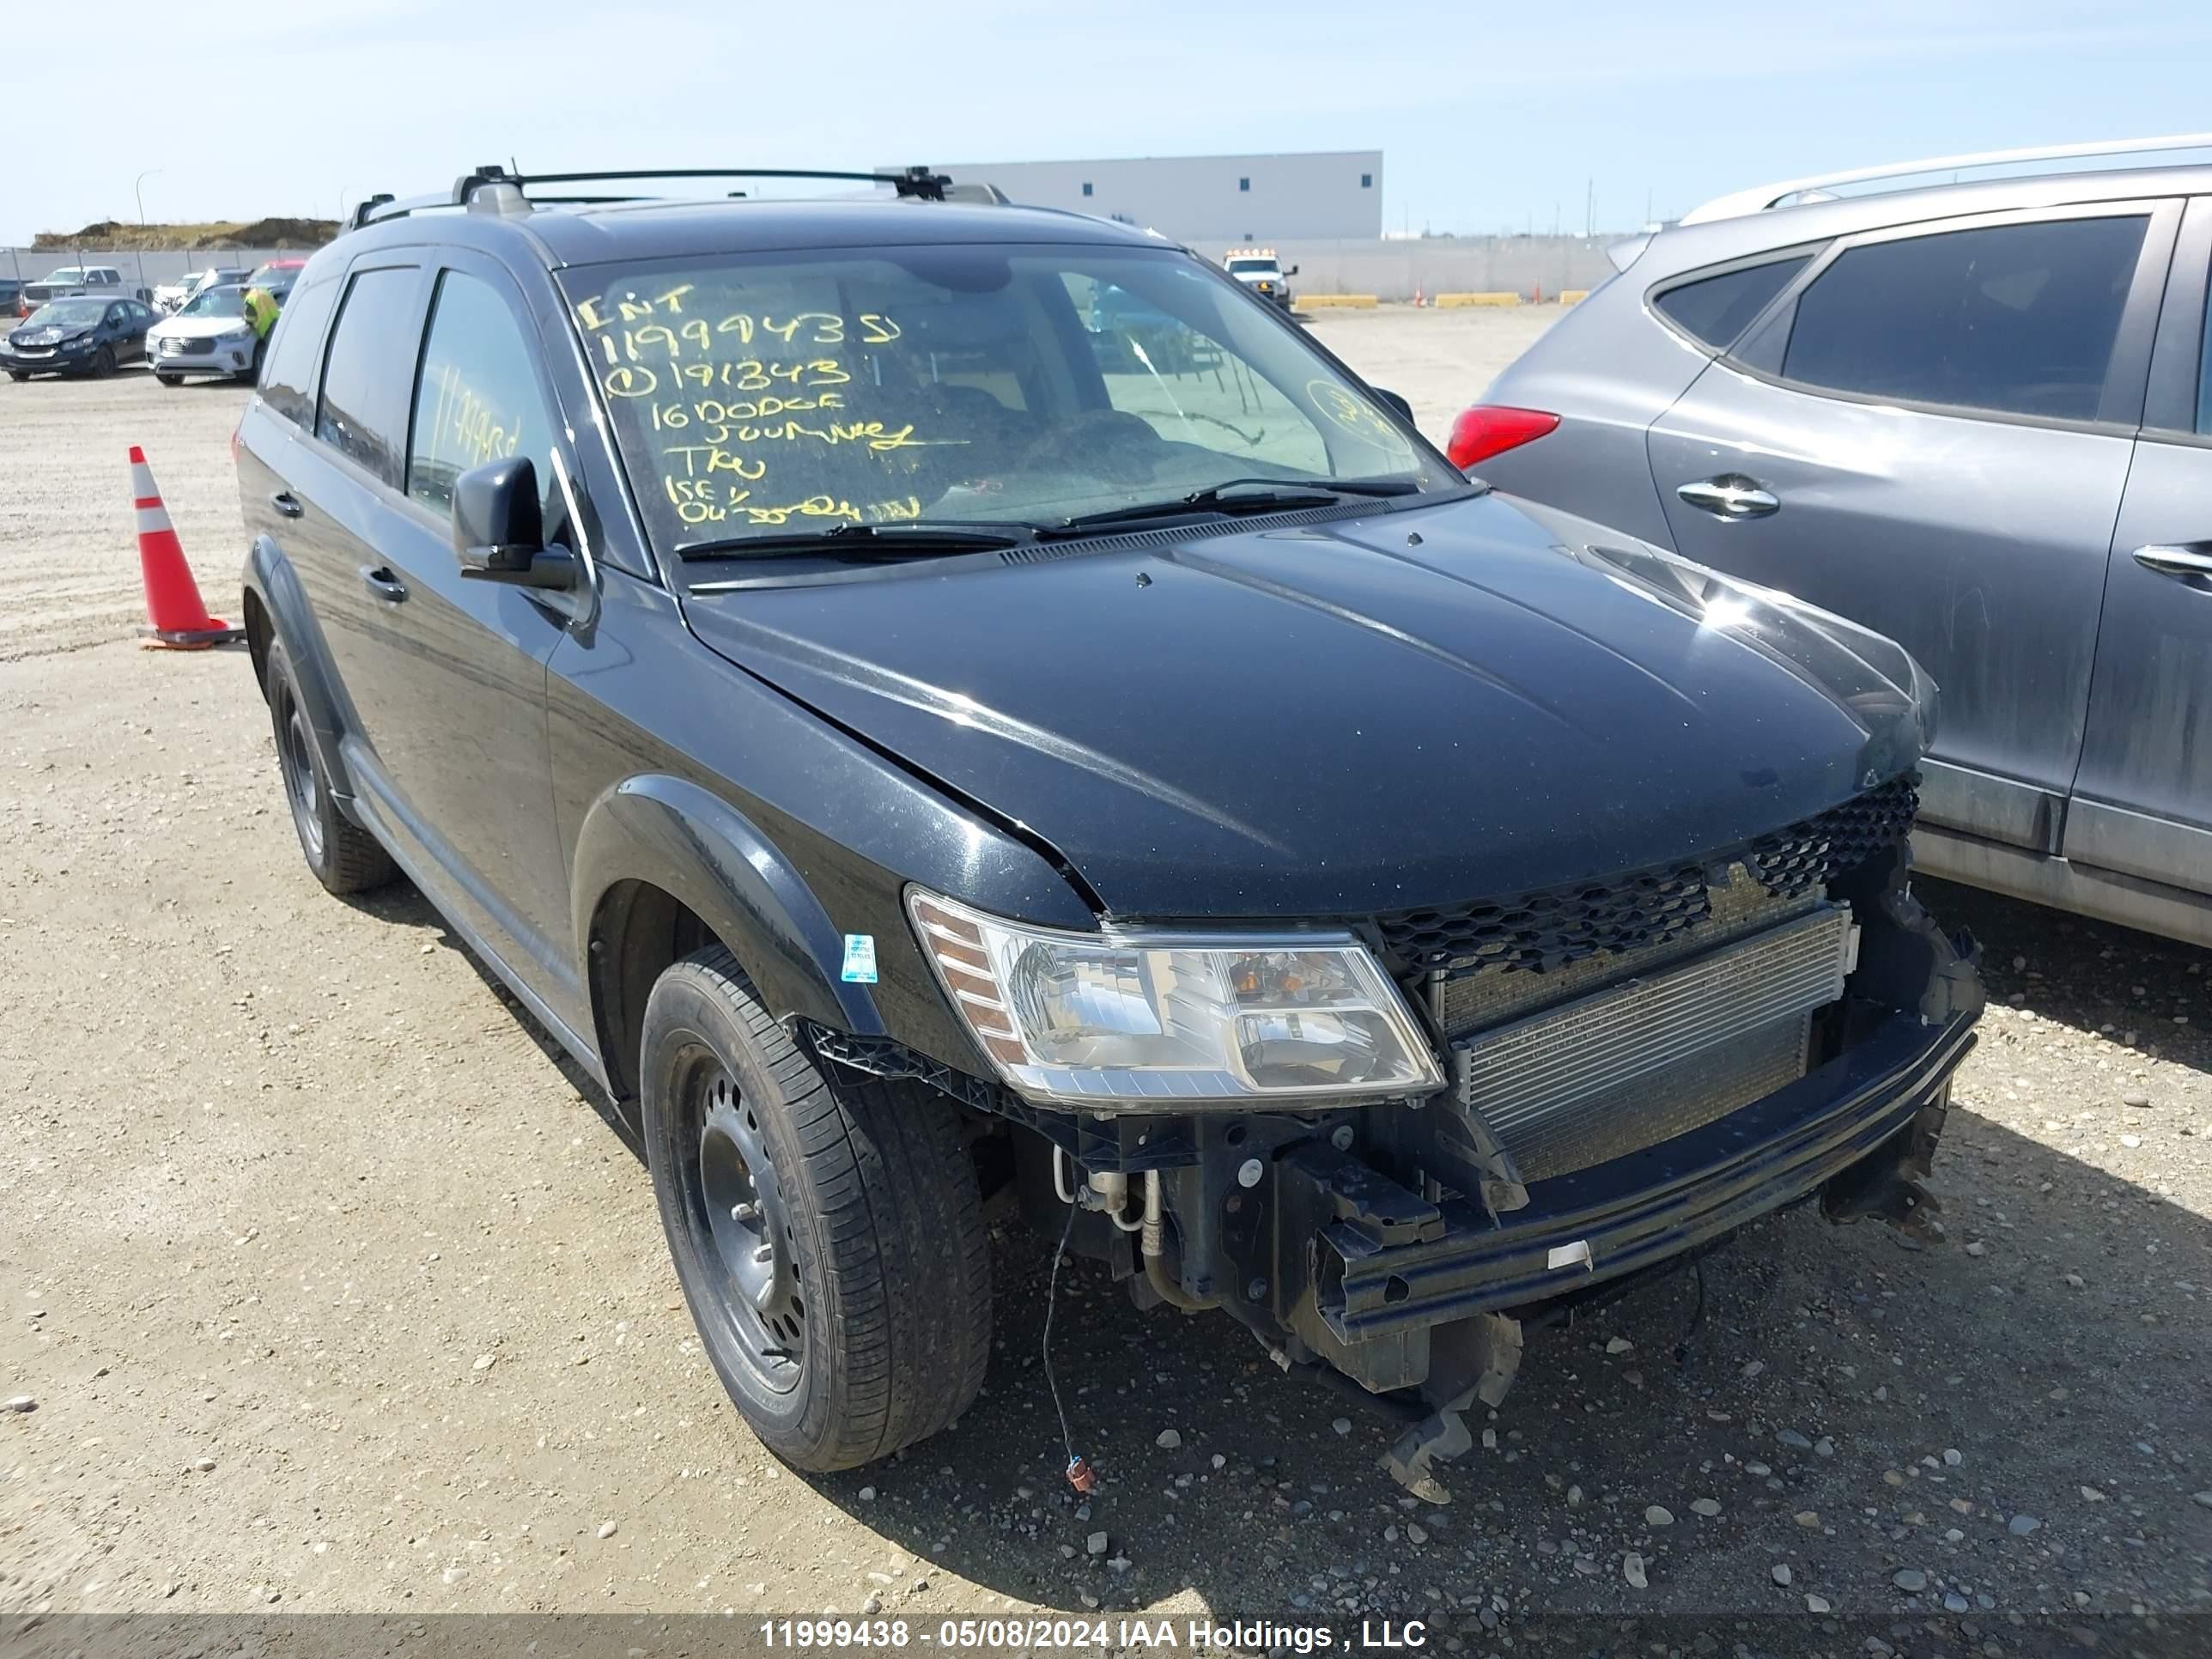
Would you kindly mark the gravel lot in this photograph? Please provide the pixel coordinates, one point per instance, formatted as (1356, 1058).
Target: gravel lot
(334, 1292)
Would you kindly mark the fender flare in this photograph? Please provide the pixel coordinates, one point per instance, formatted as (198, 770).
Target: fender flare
(271, 583)
(692, 844)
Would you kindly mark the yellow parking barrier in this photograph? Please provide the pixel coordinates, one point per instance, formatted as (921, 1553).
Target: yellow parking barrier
(1309, 302)
(1454, 301)
(1569, 296)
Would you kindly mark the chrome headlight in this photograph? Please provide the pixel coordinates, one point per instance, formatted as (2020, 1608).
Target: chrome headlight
(1141, 1022)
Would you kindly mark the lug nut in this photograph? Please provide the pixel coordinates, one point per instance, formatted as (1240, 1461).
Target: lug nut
(763, 1253)
(744, 1212)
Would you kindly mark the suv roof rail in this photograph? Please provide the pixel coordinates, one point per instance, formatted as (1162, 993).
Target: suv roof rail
(506, 187)
(1779, 194)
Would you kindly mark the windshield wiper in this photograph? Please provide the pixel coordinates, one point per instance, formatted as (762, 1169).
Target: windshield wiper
(1243, 496)
(894, 539)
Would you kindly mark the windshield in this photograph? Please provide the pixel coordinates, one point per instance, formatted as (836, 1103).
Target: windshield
(758, 393)
(216, 302)
(1253, 267)
(68, 314)
(67, 276)
(264, 275)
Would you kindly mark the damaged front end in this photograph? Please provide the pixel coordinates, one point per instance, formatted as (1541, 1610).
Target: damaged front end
(1631, 1071)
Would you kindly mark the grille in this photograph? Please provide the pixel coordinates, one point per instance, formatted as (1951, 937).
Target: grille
(1543, 931)
(1651, 1058)
(1737, 906)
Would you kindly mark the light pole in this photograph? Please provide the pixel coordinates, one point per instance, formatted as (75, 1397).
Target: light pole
(139, 193)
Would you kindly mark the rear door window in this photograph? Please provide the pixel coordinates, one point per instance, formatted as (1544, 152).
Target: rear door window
(477, 398)
(2016, 318)
(288, 378)
(1716, 309)
(2205, 370)
(370, 352)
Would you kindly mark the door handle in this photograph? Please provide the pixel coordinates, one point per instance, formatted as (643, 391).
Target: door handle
(1731, 495)
(379, 579)
(2194, 559)
(286, 503)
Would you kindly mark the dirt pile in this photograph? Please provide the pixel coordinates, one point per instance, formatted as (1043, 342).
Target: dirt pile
(109, 235)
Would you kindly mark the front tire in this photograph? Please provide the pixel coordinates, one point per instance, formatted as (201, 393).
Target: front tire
(18, 375)
(828, 1238)
(103, 362)
(344, 857)
(168, 380)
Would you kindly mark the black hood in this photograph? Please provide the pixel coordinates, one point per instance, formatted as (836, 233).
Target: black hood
(1403, 710)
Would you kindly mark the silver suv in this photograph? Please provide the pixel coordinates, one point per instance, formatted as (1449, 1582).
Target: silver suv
(1976, 417)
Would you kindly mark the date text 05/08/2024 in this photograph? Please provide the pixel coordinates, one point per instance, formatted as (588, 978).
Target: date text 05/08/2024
(1016, 1634)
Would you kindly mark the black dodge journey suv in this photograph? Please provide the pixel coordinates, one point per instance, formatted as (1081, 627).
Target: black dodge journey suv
(916, 750)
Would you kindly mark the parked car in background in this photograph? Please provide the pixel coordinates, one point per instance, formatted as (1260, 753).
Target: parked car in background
(170, 297)
(211, 334)
(11, 296)
(1306, 882)
(1976, 417)
(78, 335)
(277, 277)
(99, 281)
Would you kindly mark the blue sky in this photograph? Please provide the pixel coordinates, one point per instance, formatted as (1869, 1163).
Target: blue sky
(1490, 116)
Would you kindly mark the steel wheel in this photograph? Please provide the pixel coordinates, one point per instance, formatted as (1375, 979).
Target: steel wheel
(343, 856)
(296, 762)
(828, 1238)
(739, 1219)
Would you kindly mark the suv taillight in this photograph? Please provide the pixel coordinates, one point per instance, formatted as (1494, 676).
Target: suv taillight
(1490, 430)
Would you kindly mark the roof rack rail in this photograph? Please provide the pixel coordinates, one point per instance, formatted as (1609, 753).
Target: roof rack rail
(1759, 200)
(913, 183)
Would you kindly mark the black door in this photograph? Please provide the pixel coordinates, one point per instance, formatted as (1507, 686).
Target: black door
(445, 678)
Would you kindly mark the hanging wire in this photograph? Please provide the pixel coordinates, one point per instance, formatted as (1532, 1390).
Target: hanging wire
(1697, 1312)
(1051, 1295)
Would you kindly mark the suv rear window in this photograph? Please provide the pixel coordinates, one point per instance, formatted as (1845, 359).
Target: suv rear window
(1716, 309)
(371, 361)
(2015, 319)
(288, 377)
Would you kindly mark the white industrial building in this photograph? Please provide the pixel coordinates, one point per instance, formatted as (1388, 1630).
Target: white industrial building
(1318, 195)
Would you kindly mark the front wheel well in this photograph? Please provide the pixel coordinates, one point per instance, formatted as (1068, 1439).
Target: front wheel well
(638, 931)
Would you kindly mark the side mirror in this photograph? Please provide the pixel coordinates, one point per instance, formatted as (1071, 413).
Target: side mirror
(499, 530)
(1290, 271)
(1394, 401)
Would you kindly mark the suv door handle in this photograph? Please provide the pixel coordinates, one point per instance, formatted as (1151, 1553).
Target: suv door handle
(286, 503)
(2183, 563)
(1731, 495)
(379, 579)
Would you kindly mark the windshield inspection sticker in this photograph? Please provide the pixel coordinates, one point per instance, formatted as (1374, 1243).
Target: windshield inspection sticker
(860, 958)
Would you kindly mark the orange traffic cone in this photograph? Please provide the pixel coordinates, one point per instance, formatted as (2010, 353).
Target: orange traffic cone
(1418, 302)
(176, 619)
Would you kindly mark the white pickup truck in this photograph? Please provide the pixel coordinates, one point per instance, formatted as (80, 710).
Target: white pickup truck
(101, 282)
(1258, 268)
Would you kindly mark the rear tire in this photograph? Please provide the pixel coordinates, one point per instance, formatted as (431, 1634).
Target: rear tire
(344, 857)
(828, 1238)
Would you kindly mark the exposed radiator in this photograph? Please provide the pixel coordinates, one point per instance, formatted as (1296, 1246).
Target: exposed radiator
(1645, 1059)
